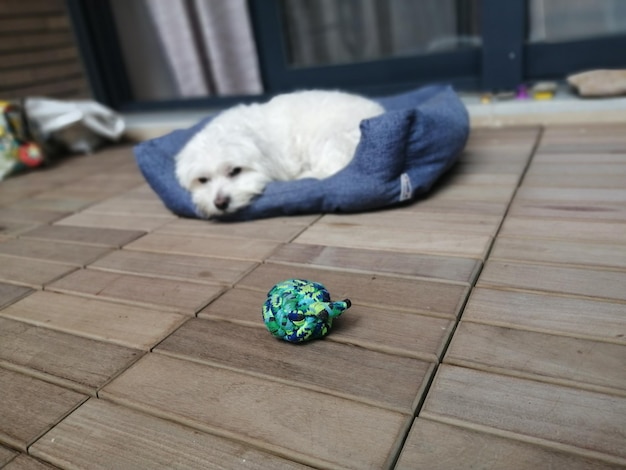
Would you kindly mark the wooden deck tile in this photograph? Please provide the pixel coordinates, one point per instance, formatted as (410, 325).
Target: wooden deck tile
(31, 272)
(24, 462)
(78, 363)
(8, 214)
(84, 235)
(473, 192)
(576, 180)
(449, 243)
(30, 407)
(377, 261)
(11, 229)
(280, 230)
(556, 416)
(439, 446)
(65, 253)
(566, 280)
(392, 331)
(576, 362)
(572, 195)
(10, 293)
(434, 298)
(452, 208)
(145, 223)
(588, 158)
(102, 435)
(125, 206)
(582, 253)
(130, 326)
(562, 229)
(52, 202)
(571, 316)
(163, 294)
(301, 424)
(217, 247)
(581, 209)
(180, 267)
(381, 379)
(6, 455)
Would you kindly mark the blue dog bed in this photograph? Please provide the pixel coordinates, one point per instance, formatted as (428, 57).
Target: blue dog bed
(400, 156)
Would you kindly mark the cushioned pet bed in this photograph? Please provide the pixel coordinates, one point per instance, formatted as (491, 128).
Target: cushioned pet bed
(400, 156)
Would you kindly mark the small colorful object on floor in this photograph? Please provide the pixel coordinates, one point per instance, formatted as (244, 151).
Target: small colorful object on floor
(297, 310)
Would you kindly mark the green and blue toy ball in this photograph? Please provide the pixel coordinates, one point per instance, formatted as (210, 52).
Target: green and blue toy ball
(297, 310)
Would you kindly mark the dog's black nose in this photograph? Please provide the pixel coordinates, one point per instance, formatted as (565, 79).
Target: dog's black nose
(222, 202)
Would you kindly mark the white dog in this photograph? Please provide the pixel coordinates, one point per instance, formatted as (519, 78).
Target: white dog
(295, 135)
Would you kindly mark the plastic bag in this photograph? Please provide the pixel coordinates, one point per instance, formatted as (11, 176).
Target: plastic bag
(79, 126)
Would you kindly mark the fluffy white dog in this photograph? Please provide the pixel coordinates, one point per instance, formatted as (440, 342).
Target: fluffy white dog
(295, 135)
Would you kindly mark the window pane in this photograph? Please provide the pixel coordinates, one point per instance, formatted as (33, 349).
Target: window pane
(564, 20)
(325, 32)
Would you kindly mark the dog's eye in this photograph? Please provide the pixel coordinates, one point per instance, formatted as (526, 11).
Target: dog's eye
(235, 171)
(203, 180)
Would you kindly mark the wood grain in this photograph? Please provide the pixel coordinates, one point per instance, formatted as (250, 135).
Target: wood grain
(576, 362)
(24, 462)
(102, 435)
(572, 195)
(562, 229)
(571, 316)
(377, 261)
(31, 272)
(218, 247)
(10, 293)
(580, 209)
(384, 238)
(433, 298)
(381, 379)
(583, 253)
(29, 407)
(65, 253)
(144, 223)
(130, 326)
(392, 331)
(162, 294)
(304, 425)
(439, 446)
(565, 280)
(554, 415)
(6, 455)
(10, 214)
(180, 267)
(84, 235)
(78, 363)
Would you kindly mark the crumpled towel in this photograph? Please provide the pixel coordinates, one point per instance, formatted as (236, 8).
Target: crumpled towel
(399, 157)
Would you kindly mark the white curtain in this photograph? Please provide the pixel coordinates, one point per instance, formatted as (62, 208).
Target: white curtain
(188, 48)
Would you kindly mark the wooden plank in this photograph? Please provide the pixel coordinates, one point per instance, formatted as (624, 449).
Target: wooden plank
(572, 195)
(469, 173)
(562, 229)
(392, 331)
(122, 222)
(280, 230)
(125, 206)
(79, 363)
(17, 7)
(381, 379)
(10, 293)
(84, 235)
(583, 253)
(12, 229)
(130, 326)
(179, 267)
(576, 180)
(439, 446)
(428, 205)
(581, 209)
(565, 280)
(58, 204)
(65, 253)
(473, 192)
(39, 73)
(570, 419)
(162, 294)
(6, 455)
(24, 462)
(8, 214)
(26, 59)
(30, 272)
(217, 247)
(450, 243)
(102, 435)
(377, 261)
(414, 295)
(426, 222)
(582, 318)
(576, 362)
(575, 158)
(30, 407)
(300, 424)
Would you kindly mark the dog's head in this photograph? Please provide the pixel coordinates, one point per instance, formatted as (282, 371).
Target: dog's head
(222, 175)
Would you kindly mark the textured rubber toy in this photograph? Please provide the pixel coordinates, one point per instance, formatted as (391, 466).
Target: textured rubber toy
(297, 310)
